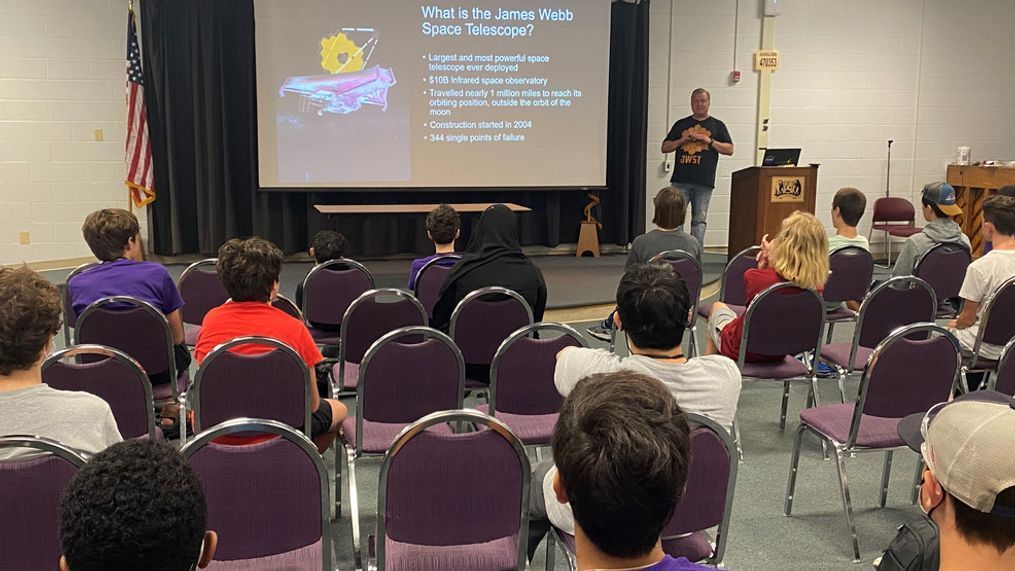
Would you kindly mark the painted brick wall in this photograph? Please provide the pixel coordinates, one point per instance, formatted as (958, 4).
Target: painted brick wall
(928, 74)
(61, 79)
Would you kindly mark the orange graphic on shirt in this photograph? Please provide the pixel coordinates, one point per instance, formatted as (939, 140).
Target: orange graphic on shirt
(695, 147)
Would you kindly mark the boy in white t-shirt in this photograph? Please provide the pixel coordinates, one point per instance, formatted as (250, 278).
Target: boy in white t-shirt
(984, 275)
(847, 210)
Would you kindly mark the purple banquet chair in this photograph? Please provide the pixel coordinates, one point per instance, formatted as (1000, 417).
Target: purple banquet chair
(707, 500)
(851, 270)
(69, 316)
(767, 331)
(111, 375)
(454, 501)
(480, 324)
(368, 318)
(273, 385)
(430, 278)
(267, 501)
(907, 373)
(401, 380)
(522, 393)
(201, 291)
(288, 306)
(1004, 380)
(944, 268)
(997, 327)
(895, 303)
(328, 290)
(732, 290)
(688, 269)
(30, 489)
(894, 216)
(141, 331)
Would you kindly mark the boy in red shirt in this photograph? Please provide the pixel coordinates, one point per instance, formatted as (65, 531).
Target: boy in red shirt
(798, 254)
(249, 270)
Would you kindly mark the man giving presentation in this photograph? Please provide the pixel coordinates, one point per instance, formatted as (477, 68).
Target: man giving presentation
(698, 141)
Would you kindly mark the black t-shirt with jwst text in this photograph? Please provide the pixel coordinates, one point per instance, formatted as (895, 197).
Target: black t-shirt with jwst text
(696, 160)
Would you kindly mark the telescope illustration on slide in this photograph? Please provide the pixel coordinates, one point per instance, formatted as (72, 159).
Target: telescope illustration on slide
(350, 84)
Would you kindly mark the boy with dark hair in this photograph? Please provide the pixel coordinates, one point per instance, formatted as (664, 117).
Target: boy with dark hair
(848, 205)
(986, 273)
(938, 209)
(29, 318)
(968, 485)
(326, 246)
(1007, 190)
(138, 506)
(670, 212)
(443, 226)
(249, 269)
(652, 308)
(622, 496)
(114, 237)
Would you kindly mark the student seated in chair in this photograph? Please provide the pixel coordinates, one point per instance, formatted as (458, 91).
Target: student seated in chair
(622, 496)
(29, 318)
(443, 226)
(986, 273)
(848, 205)
(651, 303)
(670, 212)
(138, 506)
(326, 246)
(249, 270)
(1007, 190)
(938, 209)
(114, 237)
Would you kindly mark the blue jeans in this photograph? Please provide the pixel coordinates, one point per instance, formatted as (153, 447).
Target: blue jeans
(697, 196)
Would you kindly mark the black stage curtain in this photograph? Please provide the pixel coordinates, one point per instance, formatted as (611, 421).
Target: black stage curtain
(198, 59)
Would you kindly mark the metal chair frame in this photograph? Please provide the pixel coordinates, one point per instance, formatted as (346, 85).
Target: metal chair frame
(434, 262)
(119, 356)
(870, 276)
(260, 425)
(482, 292)
(678, 255)
(722, 531)
(896, 282)
(354, 450)
(43, 444)
(468, 417)
(196, 266)
(192, 399)
(934, 248)
(1007, 361)
(984, 320)
(352, 264)
(68, 309)
(521, 333)
(151, 310)
(849, 448)
(724, 281)
(290, 306)
(344, 332)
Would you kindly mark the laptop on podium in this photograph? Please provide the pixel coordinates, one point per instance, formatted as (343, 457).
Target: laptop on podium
(781, 158)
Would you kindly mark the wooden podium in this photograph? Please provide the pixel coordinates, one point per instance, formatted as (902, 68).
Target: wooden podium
(761, 197)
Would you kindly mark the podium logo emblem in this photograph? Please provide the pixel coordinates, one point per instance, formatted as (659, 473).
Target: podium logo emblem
(788, 188)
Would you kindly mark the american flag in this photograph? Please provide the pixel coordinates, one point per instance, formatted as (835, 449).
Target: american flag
(139, 151)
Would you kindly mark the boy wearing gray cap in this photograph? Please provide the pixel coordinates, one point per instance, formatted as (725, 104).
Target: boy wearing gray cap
(969, 482)
(938, 209)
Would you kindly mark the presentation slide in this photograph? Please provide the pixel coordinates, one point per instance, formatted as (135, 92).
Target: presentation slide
(411, 94)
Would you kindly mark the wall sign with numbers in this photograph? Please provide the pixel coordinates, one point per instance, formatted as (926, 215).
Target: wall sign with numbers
(766, 60)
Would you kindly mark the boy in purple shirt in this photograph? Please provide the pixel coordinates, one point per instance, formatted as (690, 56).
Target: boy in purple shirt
(443, 226)
(622, 496)
(114, 237)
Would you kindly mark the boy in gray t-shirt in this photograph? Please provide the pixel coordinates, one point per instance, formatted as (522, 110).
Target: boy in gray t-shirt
(670, 212)
(29, 318)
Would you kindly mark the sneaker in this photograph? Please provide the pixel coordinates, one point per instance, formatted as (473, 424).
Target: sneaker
(825, 371)
(601, 333)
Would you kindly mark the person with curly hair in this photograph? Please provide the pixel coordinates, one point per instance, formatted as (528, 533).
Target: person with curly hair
(29, 318)
(249, 269)
(137, 506)
(443, 226)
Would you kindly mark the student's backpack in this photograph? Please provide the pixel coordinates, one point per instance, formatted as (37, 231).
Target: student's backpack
(915, 548)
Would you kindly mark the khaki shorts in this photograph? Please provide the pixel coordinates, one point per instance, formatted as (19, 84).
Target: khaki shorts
(721, 317)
